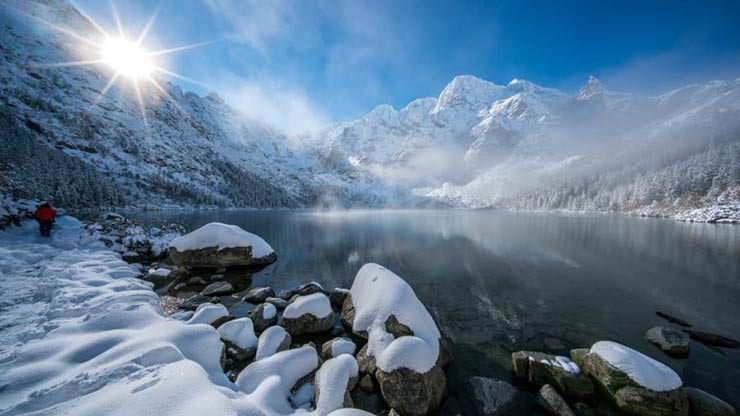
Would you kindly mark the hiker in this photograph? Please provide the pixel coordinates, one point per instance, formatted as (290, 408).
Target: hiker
(45, 215)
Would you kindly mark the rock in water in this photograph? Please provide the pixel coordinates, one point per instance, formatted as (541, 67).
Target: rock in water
(217, 289)
(412, 393)
(671, 341)
(258, 295)
(539, 369)
(673, 319)
(217, 245)
(549, 398)
(491, 397)
(279, 303)
(704, 404)
(308, 315)
(337, 296)
(638, 384)
(712, 339)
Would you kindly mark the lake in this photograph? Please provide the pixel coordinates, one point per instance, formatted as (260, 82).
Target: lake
(498, 282)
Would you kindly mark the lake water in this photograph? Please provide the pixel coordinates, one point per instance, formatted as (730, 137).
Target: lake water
(498, 282)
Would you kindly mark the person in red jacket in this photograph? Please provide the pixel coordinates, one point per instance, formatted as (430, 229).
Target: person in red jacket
(46, 216)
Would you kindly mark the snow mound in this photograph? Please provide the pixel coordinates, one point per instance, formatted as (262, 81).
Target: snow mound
(332, 380)
(222, 236)
(377, 293)
(269, 342)
(207, 313)
(316, 304)
(269, 311)
(239, 332)
(270, 380)
(642, 369)
(342, 346)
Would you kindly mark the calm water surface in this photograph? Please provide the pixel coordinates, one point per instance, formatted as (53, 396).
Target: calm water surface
(498, 282)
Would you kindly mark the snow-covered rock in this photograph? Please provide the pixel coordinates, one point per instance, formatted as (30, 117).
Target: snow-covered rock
(637, 383)
(208, 313)
(337, 346)
(308, 314)
(239, 332)
(538, 369)
(220, 245)
(264, 316)
(334, 380)
(274, 339)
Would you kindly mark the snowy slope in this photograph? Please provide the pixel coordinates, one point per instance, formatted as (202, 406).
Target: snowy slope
(189, 149)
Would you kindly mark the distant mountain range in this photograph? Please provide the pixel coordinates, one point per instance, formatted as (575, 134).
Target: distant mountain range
(478, 144)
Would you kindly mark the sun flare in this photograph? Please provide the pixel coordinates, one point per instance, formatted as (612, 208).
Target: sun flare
(126, 58)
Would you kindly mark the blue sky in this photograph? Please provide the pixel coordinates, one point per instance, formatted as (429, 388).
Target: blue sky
(304, 63)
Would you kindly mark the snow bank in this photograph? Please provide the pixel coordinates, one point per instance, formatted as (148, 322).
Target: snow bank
(342, 346)
(222, 236)
(239, 332)
(269, 342)
(207, 313)
(642, 369)
(377, 293)
(332, 380)
(316, 304)
(81, 335)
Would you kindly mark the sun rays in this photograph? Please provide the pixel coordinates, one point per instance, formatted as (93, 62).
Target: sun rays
(128, 58)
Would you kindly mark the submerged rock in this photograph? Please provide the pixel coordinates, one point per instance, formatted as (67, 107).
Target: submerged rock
(671, 341)
(492, 397)
(704, 404)
(217, 289)
(712, 339)
(549, 398)
(673, 319)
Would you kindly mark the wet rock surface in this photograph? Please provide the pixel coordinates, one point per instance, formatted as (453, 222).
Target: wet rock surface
(671, 341)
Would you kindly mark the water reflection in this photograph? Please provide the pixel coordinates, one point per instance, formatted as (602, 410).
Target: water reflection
(497, 281)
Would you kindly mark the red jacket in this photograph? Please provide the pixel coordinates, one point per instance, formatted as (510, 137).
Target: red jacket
(45, 214)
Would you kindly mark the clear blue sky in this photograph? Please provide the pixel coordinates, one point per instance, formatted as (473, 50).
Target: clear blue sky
(312, 62)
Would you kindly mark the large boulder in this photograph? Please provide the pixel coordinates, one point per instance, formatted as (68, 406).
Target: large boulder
(672, 342)
(704, 404)
(308, 315)
(217, 245)
(539, 369)
(412, 393)
(637, 383)
(492, 397)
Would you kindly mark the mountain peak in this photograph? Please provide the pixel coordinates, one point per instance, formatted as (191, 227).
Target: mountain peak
(592, 88)
(467, 89)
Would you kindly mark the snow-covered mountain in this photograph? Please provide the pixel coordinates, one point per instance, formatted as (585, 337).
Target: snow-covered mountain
(477, 144)
(480, 144)
(187, 150)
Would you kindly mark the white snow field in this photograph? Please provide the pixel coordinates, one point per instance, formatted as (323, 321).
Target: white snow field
(81, 335)
(377, 293)
(222, 236)
(642, 369)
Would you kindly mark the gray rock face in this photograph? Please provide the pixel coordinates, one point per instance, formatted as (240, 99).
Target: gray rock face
(365, 362)
(337, 297)
(212, 257)
(529, 366)
(397, 329)
(491, 397)
(258, 295)
(633, 398)
(194, 301)
(307, 324)
(412, 393)
(217, 289)
(672, 342)
(704, 404)
(309, 289)
(279, 303)
(348, 315)
(366, 383)
(257, 316)
(549, 398)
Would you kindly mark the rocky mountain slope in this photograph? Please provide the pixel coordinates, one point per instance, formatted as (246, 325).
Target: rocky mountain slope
(67, 144)
(522, 145)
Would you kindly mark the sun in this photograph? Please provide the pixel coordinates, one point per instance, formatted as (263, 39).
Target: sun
(127, 58)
